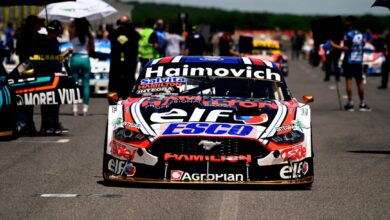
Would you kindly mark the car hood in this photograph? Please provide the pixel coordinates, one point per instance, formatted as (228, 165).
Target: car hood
(154, 114)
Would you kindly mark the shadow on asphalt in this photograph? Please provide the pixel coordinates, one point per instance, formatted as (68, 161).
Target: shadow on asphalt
(205, 186)
(370, 152)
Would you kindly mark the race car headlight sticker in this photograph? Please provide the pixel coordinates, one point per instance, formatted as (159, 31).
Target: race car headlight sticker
(126, 135)
(289, 138)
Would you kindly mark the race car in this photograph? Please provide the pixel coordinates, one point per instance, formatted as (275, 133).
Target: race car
(209, 120)
(270, 50)
(372, 60)
(8, 112)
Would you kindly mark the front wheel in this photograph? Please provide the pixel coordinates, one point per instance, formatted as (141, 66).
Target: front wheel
(105, 160)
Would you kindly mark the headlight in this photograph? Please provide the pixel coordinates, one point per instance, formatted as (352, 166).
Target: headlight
(125, 135)
(289, 138)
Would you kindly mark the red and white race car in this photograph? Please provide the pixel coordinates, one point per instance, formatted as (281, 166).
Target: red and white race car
(209, 120)
(372, 60)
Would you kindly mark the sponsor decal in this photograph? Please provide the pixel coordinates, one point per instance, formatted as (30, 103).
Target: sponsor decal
(118, 121)
(46, 57)
(121, 167)
(178, 115)
(293, 153)
(121, 150)
(160, 84)
(285, 128)
(211, 58)
(131, 125)
(53, 97)
(266, 44)
(166, 102)
(300, 125)
(207, 129)
(159, 80)
(212, 158)
(295, 170)
(162, 71)
(252, 120)
(122, 39)
(179, 175)
(114, 109)
(162, 89)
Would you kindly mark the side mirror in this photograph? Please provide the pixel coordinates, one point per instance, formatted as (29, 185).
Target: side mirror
(113, 98)
(307, 99)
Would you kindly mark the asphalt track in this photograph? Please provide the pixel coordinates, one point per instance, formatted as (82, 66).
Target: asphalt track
(352, 164)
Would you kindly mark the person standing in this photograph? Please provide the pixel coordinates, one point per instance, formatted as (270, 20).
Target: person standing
(28, 45)
(3, 42)
(161, 35)
(50, 124)
(148, 43)
(124, 57)
(353, 62)
(83, 44)
(297, 42)
(331, 61)
(9, 33)
(173, 41)
(195, 43)
(386, 65)
(226, 44)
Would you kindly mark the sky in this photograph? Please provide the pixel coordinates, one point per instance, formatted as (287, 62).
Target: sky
(323, 7)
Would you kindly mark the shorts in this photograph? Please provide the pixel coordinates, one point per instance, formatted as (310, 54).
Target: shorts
(353, 71)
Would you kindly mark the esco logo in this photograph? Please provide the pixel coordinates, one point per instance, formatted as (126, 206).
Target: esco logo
(208, 129)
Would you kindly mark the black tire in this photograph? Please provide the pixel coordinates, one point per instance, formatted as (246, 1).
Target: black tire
(105, 160)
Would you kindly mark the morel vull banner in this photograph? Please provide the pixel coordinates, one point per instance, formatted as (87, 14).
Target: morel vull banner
(45, 90)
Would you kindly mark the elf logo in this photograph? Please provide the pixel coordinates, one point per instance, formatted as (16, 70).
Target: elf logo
(121, 167)
(296, 170)
(179, 115)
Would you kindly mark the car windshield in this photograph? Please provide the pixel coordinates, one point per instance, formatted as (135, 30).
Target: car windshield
(212, 85)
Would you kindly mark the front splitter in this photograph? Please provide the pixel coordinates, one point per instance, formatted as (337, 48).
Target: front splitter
(304, 181)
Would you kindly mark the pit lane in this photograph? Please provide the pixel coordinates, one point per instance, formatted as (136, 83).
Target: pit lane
(352, 161)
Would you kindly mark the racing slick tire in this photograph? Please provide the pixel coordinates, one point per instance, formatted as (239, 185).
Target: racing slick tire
(106, 180)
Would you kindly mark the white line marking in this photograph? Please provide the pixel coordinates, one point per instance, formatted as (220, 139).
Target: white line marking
(58, 195)
(60, 141)
(63, 141)
(229, 205)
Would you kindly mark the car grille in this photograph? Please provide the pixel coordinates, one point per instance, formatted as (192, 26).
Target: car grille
(191, 146)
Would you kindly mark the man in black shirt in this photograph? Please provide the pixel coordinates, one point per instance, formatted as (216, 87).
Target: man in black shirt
(195, 43)
(124, 53)
(49, 45)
